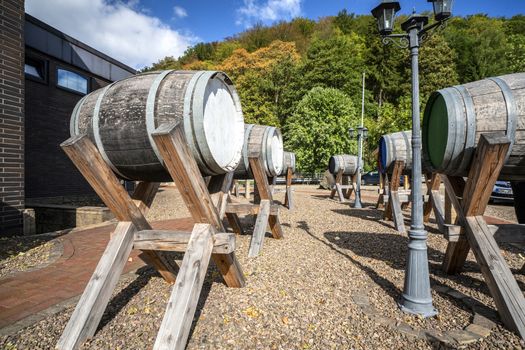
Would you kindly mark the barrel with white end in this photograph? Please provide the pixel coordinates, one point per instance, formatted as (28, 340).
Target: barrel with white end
(394, 147)
(266, 141)
(345, 162)
(121, 118)
(455, 118)
(288, 162)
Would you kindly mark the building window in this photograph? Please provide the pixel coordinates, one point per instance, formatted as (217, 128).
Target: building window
(72, 81)
(35, 69)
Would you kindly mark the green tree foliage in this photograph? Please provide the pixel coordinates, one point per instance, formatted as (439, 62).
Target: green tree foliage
(319, 128)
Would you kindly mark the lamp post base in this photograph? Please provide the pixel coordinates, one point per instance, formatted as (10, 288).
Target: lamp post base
(417, 296)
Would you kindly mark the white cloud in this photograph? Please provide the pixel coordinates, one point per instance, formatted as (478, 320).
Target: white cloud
(180, 12)
(267, 11)
(118, 29)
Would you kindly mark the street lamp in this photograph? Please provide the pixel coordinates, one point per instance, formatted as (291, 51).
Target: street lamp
(417, 298)
(362, 134)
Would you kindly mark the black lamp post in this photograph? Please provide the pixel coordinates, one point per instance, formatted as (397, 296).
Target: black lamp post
(417, 298)
(362, 134)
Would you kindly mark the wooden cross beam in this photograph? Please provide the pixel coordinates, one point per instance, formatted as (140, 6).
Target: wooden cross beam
(488, 161)
(383, 190)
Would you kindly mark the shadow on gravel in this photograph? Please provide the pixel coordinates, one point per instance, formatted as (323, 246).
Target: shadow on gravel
(387, 286)
(144, 275)
(119, 301)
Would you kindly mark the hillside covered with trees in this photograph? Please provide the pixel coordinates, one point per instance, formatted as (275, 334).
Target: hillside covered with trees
(305, 76)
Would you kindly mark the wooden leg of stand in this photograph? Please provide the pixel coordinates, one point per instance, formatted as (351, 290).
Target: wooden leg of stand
(98, 174)
(397, 213)
(218, 187)
(393, 187)
(183, 169)
(338, 180)
(260, 228)
(288, 202)
(234, 221)
(90, 308)
(144, 195)
(264, 191)
(503, 287)
(176, 324)
(432, 185)
(486, 166)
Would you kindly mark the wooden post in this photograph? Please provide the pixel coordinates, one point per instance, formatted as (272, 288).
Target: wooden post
(89, 162)
(265, 193)
(260, 228)
(90, 308)
(144, 195)
(434, 201)
(486, 165)
(176, 324)
(288, 201)
(183, 169)
(247, 189)
(393, 206)
(383, 189)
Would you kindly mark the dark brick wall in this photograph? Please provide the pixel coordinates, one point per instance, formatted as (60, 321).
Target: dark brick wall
(11, 116)
(49, 172)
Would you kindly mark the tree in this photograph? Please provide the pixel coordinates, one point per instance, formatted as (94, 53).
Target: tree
(337, 62)
(319, 128)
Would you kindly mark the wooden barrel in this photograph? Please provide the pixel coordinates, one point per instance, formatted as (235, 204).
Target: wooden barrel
(343, 161)
(121, 117)
(455, 117)
(266, 140)
(395, 146)
(288, 162)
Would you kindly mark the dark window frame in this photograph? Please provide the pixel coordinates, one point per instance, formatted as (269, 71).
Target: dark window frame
(88, 81)
(39, 63)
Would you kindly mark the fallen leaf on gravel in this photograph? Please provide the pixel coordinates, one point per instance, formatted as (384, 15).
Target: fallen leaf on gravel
(285, 320)
(252, 312)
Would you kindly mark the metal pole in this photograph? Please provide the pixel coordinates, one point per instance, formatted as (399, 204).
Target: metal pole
(417, 298)
(357, 203)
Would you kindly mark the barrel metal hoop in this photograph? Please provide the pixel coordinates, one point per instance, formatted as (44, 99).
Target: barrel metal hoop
(96, 131)
(188, 125)
(150, 111)
(470, 141)
(267, 151)
(246, 160)
(198, 123)
(408, 149)
(73, 123)
(512, 112)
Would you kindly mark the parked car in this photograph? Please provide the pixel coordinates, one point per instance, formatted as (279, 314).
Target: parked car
(370, 178)
(502, 191)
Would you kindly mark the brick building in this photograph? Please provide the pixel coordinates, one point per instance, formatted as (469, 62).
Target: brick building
(43, 74)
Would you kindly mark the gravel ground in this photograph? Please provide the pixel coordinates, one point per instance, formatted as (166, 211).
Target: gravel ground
(302, 292)
(19, 254)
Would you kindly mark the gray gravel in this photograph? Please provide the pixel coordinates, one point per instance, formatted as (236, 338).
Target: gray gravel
(301, 291)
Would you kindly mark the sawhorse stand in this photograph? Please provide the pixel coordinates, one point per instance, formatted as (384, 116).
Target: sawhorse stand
(267, 212)
(342, 187)
(472, 232)
(208, 238)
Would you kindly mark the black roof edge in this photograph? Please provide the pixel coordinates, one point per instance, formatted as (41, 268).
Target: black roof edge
(78, 43)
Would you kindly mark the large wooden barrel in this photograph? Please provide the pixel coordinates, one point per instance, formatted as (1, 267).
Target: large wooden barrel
(395, 146)
(121, 117)
(455, 118)
(288, 162)
(268, 141)
(345, 162)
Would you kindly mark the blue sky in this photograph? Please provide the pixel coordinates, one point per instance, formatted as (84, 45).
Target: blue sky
(215, 20)
(140, 32)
